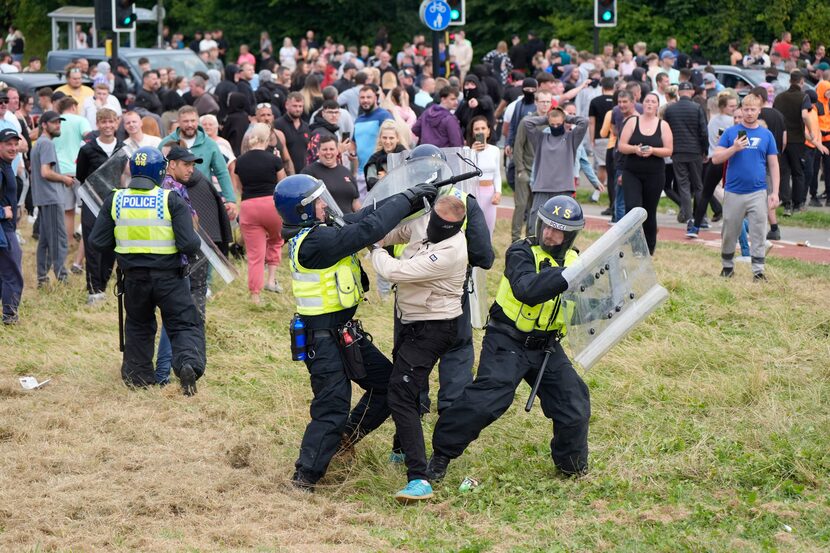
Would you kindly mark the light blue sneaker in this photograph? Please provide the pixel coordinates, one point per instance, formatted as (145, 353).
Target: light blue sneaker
(416, 490)
(397, 458)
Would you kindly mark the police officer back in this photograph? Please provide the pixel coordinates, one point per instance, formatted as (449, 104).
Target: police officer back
(328, 283)
(151, 230)
(527, 318)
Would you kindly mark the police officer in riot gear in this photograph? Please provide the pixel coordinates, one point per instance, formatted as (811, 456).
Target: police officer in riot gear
(328, 283)
(526, 320)
(151, 230)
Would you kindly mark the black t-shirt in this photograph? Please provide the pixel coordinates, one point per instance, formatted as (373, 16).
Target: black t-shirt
(775, 124)
(257, 169)
(296, 140)
(598, 107)
(338, 182)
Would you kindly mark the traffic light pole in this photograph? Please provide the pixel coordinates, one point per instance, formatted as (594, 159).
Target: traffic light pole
(436, 58)
(596, 40)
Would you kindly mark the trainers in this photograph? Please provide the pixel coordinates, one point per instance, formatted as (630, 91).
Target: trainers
(595, 196)
(397, 458)
(692, 231)
(814, 202)
(704, 224)
(743, 259)
(788, 212)
(76, 269)
(727, 273)
(759, 277)
(300, 482)
(774, 234)
(92, 299)
(276, 288)
(717, 217)
(187, 377)
(605, 212)
(437, 467)
(416, 490)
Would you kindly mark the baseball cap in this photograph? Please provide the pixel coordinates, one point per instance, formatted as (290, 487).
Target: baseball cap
(9, 134)
(667, 54)
(530, 82)
(349, 65)
(3, 95)
(709, 78)
(50, 116)
(685, 85)
(182, 154)
(823, 66)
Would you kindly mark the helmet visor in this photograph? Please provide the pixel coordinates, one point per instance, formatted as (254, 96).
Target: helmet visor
(332, 210)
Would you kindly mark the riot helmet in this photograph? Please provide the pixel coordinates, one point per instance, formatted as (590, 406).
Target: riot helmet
(426, 150)
(560, 213)
(147, 164)
(295, 198)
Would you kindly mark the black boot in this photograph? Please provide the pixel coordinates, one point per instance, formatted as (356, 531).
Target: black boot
(437, 467)
(187, 377)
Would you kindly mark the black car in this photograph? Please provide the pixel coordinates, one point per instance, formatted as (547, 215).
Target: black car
(30, 83)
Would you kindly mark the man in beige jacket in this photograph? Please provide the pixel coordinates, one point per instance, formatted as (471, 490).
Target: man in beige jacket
(430, 279)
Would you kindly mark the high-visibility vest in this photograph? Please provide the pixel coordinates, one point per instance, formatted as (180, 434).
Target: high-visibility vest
(143, 223)
(321, 291)
(549, 316)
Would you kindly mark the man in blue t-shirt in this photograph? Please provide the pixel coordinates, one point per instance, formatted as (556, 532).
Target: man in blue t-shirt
(751, 153)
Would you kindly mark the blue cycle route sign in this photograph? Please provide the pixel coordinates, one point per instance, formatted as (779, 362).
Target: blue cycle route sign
(435, 14)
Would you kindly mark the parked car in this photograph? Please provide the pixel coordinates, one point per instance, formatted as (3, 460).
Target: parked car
(185, 62)
(30, 83)
(743, 80)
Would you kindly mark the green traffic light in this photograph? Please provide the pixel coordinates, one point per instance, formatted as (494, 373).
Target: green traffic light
(454, 14)
(606, 15)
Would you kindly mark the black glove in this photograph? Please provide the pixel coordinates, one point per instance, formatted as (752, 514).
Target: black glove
(416, 194)
(544, 264)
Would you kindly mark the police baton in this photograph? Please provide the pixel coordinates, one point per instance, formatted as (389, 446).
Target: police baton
(535, 389)
(457, 178)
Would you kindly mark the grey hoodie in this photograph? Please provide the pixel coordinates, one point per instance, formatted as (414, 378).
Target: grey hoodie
(553, 163)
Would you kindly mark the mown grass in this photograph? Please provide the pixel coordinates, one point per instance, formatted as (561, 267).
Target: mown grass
(709, 433)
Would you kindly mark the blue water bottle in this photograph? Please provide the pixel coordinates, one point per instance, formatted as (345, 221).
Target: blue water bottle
(298, 338)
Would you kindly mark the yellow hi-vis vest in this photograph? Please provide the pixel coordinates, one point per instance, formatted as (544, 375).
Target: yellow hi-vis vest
(321, 291)
(528, 318)
(143, 223)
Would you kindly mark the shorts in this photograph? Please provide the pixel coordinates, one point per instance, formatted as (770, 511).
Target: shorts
(600, 145)
(70, 197)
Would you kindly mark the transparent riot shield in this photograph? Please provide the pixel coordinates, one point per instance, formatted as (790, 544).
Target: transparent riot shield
(611, 289)
(477, 288)
(115, 173)
(407, 175)
(455, 160)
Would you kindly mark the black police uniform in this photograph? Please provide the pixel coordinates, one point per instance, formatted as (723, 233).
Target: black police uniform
(323, 247)
(156, 280)
(509, 356)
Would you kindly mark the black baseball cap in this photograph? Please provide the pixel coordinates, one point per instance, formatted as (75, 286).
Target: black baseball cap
(685, 85)
(50, 116)
(530, 82)
(182, 154)
(9, 134)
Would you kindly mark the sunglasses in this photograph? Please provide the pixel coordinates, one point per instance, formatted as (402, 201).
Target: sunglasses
(4, 101)
(263, 105)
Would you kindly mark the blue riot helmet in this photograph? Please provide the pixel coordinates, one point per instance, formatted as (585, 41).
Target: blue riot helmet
(147, 164)
(296, 200)
(426, 150)
(560, 213)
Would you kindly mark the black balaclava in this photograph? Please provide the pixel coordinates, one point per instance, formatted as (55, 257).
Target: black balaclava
(439, 230)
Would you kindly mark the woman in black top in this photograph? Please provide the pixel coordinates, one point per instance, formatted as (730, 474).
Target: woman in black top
(254, 177)
(645, 141)
(237, 121)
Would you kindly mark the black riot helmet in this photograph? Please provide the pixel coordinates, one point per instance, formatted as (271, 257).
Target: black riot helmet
(426, 150)
(560, 213)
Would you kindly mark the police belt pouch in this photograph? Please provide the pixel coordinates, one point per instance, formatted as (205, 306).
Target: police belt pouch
(348, 337)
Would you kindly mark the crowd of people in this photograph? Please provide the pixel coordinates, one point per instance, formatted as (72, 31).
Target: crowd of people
(319, 121)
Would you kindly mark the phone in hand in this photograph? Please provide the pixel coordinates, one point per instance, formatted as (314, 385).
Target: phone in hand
(479, 136)
(345, 136)
(645, 148)
(741, 134)
(720, 131)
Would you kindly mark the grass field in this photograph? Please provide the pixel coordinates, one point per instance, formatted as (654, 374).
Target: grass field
(710, 432)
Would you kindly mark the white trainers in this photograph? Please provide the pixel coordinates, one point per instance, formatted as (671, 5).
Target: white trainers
(92, 299)
(595, 196)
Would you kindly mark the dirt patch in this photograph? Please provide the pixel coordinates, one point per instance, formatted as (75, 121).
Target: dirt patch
(664, 514)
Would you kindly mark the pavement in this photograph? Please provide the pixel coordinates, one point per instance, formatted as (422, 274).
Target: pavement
(805, 244)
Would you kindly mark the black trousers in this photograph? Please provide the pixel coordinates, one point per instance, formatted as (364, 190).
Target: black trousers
(144, 290)
(688, 176)
(417, 348)
(812, 164)
(644, 190)
(792, 175)
(712, 175)
(99, 265)
(332, 389)
(504, 364)
(610, 170)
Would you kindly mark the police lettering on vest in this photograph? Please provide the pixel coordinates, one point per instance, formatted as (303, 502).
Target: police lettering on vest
(549, 316)
(143, 223)
(130, 201)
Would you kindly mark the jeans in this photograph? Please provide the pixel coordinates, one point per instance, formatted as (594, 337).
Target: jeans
(619, 197)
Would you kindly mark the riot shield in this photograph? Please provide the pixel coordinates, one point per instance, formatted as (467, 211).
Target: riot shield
(611, 289)
(457, 166)
(115, 173)
(477, 289)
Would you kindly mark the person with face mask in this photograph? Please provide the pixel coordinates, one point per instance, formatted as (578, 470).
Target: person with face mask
(328, 283)
(476, 102)
(430, 284)
(527, 320)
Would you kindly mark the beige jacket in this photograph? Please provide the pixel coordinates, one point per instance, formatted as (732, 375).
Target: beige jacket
(430, 277)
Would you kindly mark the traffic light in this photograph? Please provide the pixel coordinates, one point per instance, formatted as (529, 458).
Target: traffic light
(457, 15)
(103, 15)
(123, 15)
(605, 13)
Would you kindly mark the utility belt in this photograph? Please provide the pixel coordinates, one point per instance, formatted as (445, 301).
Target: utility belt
(139, 272)
(530, 340)
(348, 337)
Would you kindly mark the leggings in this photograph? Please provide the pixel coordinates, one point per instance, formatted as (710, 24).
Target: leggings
(644, 190)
